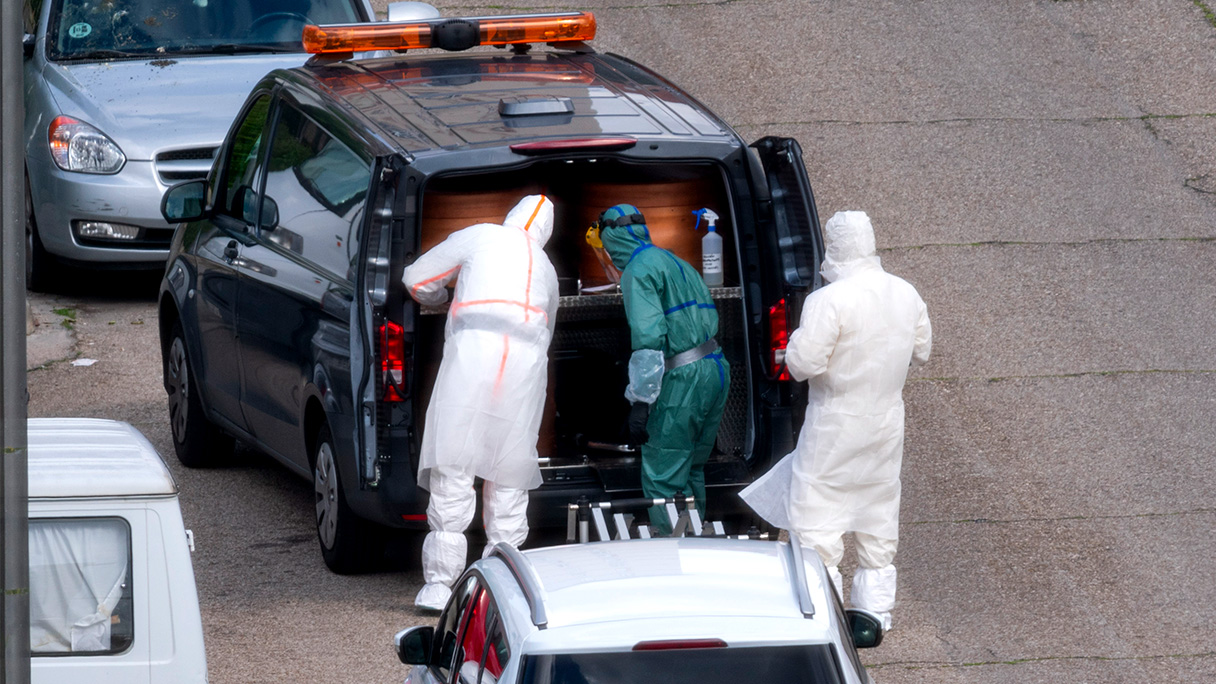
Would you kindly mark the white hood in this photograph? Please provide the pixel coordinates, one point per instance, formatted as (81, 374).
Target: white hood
(534, 214)
(849, 245)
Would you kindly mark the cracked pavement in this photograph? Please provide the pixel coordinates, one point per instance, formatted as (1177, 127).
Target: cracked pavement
(1042, 171)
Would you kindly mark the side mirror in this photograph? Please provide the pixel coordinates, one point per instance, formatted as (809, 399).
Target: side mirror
(411, 11)
(247, 199)
(27, 44)
(184, 202)
(866, 628)
(270, 214)
(414, 644)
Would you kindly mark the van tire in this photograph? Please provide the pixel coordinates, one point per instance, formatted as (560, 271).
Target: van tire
(197, 441)
(349, 544)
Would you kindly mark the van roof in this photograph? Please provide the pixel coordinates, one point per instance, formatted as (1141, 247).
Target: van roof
(91, 457)
(441, 102)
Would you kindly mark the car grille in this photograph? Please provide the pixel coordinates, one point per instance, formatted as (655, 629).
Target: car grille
(176, 166)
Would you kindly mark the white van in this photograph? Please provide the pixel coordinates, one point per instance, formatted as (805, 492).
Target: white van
(112, 593)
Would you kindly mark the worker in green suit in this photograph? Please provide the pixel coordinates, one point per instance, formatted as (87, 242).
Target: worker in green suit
(678, 378)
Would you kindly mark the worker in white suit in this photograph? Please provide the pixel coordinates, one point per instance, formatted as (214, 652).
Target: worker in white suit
(857, 338)
(484, 416)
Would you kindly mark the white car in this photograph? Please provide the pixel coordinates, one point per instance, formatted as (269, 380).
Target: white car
(112, 593)
(676, 610)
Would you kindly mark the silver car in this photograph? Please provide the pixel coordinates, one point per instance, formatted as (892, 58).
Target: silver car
(683, 611)
(124, 98)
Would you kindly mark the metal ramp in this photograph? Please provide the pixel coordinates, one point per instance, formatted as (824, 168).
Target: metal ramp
(614, 519)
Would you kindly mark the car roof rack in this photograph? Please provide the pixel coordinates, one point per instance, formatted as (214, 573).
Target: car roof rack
(800, 586)
(528, 580)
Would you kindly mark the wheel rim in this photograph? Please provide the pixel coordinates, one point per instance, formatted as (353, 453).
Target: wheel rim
(179, 389)
(325, 485)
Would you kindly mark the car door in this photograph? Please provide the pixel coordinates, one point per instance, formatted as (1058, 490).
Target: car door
(297, 285)
(218, 251)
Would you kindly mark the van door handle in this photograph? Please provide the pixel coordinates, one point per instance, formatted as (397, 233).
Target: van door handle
(230, 252)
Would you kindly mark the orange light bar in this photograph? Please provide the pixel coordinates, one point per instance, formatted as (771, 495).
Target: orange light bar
(450, 34)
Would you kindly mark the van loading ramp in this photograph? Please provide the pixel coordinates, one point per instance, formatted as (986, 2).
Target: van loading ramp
(585, 518)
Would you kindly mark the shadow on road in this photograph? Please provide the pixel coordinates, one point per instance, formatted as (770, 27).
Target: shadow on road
(107, 284)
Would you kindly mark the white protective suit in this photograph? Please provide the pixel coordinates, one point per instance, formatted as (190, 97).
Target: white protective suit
(856, 340)
(485, 412)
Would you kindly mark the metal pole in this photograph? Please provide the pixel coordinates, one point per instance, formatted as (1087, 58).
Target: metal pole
(14, 489)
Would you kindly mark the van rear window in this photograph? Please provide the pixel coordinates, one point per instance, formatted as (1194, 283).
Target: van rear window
(80, 586)
(807, 664)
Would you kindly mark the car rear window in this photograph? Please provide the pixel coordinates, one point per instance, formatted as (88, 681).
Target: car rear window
(808, 664)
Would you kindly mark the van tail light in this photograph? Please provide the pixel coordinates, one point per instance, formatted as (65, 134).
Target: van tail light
(779, 337)
(574, 145)
(392, 360)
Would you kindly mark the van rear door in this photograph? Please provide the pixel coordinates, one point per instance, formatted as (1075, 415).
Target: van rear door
(793, 215)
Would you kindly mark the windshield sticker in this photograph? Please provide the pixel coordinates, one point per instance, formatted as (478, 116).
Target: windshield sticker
(80, 30)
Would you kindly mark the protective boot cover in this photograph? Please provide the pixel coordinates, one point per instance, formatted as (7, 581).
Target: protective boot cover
(505, 510)
(670, 311)
(485, 411)
(854, 344)
(874, 590)
(445, 548)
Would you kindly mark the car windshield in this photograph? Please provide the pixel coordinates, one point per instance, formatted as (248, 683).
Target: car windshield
(812, 664)
(115, 29)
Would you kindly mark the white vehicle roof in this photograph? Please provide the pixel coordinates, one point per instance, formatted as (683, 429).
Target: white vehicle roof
(601, 593)
(90, 457)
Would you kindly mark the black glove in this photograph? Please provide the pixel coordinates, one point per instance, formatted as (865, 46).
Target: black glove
(639, 413)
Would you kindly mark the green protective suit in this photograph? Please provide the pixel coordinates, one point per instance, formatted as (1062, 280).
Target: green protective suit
(669, 309)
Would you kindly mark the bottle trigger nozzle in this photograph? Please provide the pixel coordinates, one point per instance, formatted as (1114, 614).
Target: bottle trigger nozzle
(711, 218)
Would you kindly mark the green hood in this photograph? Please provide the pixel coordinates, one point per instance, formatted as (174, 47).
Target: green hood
(623, 242)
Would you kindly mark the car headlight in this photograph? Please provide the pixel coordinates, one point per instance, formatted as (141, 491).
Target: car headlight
(77, 146)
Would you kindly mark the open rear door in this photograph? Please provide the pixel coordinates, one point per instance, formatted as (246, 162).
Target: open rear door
(794, 217)
(380, 338)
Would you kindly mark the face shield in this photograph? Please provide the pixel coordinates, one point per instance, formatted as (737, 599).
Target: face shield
(601, 254)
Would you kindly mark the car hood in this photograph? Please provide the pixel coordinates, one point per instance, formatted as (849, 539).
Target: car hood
(146, 106)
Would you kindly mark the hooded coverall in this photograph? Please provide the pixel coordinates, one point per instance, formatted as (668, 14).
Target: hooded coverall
(670, 311)
(856, 340)
(484, 415)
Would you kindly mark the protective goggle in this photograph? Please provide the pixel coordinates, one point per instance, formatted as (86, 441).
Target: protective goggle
(593, 233)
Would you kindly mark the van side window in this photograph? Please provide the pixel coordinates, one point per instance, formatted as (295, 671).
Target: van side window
(238, 197)
(80, 586)
(319, 187)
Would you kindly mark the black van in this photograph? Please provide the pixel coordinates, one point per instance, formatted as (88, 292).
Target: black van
(283, 320)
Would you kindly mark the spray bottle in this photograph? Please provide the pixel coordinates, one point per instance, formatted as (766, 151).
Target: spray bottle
(711, 248)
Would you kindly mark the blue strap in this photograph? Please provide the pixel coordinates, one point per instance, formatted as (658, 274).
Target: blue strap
(717, 357)
(685, 305)
(677, 307)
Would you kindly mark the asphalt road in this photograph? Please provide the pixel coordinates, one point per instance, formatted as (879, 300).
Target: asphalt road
(1041, 172)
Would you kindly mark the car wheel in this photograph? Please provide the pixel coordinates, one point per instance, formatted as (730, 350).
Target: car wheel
(198, 442)
(349, 544)
(40, 266)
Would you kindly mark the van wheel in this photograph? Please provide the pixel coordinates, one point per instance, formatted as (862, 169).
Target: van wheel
(349, 544)
(39, 264)
(198, 443)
